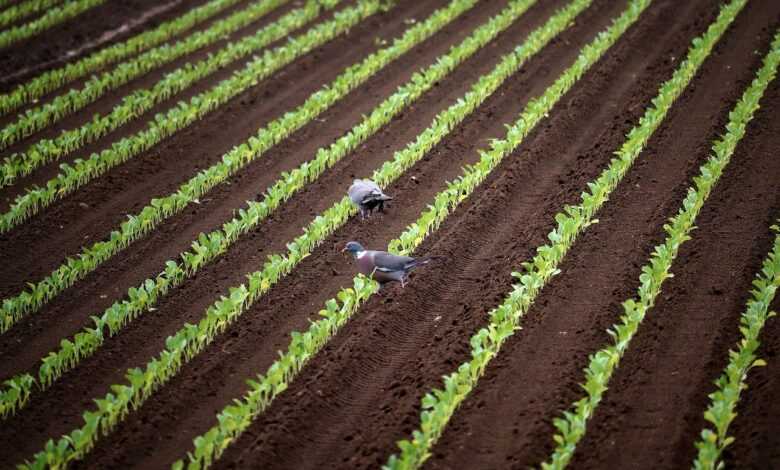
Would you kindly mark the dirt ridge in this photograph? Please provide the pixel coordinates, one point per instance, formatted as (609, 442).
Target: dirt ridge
(362, 393)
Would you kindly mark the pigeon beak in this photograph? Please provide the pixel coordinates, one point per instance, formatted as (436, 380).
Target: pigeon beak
(344, 249)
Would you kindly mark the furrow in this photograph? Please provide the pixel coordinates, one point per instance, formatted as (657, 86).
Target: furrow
(192, 339)
(236, 418)
(52, 17)
(49, 81)
(22, 10)
(543, 362)
(75, 268)
(439, 405)
(603, 363)
(145, 297)
(694, 319)
(140, 101)
(743, 358)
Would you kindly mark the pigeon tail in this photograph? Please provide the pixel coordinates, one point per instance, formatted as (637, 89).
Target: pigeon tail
(374, 197)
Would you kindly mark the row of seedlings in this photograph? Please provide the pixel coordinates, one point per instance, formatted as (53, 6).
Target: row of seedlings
(51, 18)
(4, 3)
(142, 100)
(439, 405)
(191, 339)
(603, 363)
(159, 209)
(22, 10)
(729, 386)
(237, 417)
(35, 88)
(210, 246)
(82, 171)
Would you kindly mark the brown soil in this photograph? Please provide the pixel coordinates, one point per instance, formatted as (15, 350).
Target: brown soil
(110, 99)
(755, 429)
(362, 393)
(96, 28)
(96, 209)
(681, 348)
(508, 421)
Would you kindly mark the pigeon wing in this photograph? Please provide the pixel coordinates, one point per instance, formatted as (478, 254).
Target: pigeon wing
(364, 191)
(384, 261)
(358, 191)
(371, 186)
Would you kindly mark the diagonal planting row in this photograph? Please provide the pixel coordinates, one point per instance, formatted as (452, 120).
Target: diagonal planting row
(142, 100)
(182, 115)
(22, 10)
(439, 405)
(185, 114)
(160, 209)
(51, 80)
(210, 246)
(52, 17)
(237, 417)
(115, 407)
(75, 268)
(192, 339)
(603, 363)
(729, 386)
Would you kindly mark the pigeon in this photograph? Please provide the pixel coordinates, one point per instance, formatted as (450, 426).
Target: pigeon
(367, 196)
(384, 267)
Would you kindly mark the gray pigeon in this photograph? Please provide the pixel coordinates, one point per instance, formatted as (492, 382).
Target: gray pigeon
(367, 196)
(384, 267)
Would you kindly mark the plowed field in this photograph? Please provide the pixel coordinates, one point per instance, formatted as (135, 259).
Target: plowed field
(349, 401)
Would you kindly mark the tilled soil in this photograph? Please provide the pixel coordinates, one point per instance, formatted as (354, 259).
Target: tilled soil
(508, 421)
(679, 350)
(215, 208)
(100, 26)
(110, 99)
(362, 392)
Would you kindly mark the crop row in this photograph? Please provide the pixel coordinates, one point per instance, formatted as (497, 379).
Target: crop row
(439, 405)
(210, 246)
(51, 80)
(723, 401)
(144, 99)
(159, 209)
(192, 339)
(235, 418)
(52, 17)
(603, 363)
(182, 115)
(22, 10)
(147, 219)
